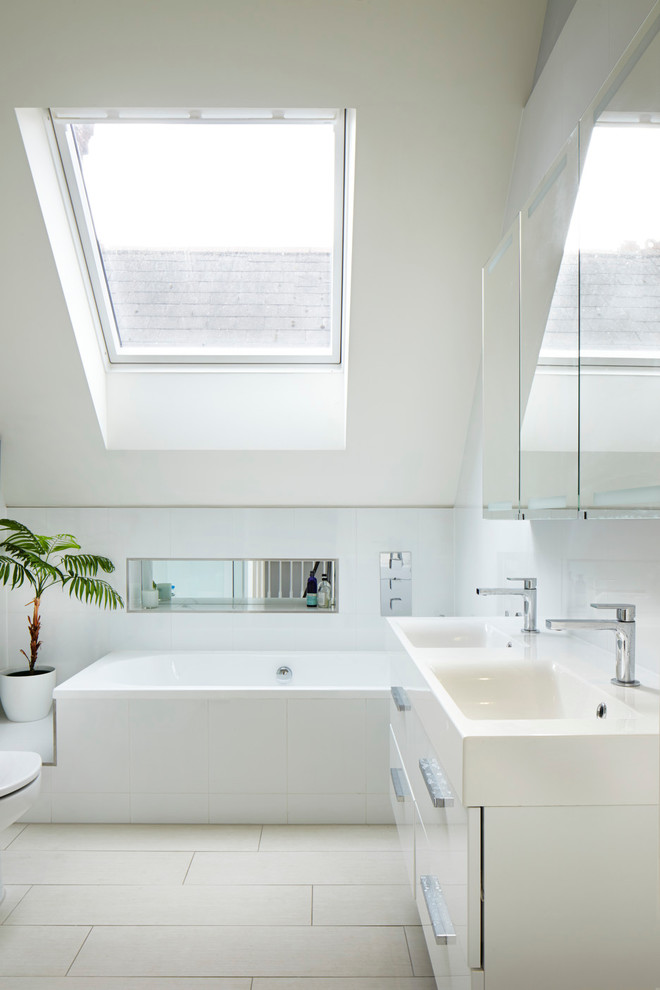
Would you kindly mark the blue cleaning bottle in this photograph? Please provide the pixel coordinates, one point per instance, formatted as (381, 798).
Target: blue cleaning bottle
(312, 591)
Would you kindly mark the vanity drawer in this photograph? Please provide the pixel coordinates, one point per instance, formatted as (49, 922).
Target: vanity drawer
(402, 803)
(436, 797)
(400, 717)
(442, 902)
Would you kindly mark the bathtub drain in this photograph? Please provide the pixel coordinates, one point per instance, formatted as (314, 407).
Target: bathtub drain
(284, 673)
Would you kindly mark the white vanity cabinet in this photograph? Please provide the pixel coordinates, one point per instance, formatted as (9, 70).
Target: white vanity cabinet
(571, 898)
(540, 896)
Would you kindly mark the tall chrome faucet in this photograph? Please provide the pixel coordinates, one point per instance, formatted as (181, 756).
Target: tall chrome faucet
(528, 592)
(623, 628)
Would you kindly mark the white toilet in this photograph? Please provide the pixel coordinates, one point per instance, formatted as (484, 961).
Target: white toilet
(20, 780)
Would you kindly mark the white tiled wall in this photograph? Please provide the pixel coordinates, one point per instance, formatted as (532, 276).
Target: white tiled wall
(453, 552)
(74, 635)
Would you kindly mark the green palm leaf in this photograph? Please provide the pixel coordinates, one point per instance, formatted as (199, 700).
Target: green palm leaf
(24, 556)
(36, 569)
(86, 564)
(93, 590)
(63, 541)
(24, 538)
(12, 572)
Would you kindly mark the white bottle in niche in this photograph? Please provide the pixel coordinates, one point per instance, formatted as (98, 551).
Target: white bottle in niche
(324, 592)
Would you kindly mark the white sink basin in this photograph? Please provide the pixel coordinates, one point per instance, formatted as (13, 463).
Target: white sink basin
(523, 689)
(458, 632)
(519, 725)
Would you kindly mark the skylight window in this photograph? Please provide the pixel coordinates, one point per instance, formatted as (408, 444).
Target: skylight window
(211, 235)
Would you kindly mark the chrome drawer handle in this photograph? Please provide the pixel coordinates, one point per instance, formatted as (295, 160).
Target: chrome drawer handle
(443, 930)
(401, 699)
(436, 783)
(399, 783)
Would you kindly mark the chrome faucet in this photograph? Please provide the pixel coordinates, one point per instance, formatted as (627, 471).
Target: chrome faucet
(623, 628)
(528, 592)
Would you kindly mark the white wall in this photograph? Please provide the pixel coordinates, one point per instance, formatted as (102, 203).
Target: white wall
(595, 36)
(74, 635)
(438, 90)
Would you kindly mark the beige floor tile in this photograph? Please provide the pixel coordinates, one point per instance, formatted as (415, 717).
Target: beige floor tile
(180, 905)
(358, 983)
(331, 867)
(419, 955)
(322, 837)
(139, 837)
(364, 905)
(229, 951)
(37, 951)
(23, 866)
(13, 897)
(121, 983)
(8, 835)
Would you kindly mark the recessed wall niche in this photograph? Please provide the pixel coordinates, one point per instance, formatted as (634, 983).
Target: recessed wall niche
(223, 585)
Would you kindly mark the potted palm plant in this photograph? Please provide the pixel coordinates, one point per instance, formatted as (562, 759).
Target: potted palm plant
(43, 562)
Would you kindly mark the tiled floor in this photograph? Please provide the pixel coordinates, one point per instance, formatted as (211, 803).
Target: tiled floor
(224, 907)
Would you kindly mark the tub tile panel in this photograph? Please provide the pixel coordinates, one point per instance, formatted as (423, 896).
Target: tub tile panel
(326, 747)
(92, 746)
(379, 809)
(247, 747)
(212, 760)
(377, 746)
(169, 746)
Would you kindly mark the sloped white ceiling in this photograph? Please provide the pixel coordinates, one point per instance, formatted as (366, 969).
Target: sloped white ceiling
(438, 86)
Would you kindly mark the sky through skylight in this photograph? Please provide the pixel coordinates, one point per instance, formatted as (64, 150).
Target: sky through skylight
(211, 185)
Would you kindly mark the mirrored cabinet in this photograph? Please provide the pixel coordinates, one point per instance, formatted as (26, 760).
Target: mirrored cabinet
(571, 319)
(549, 344)
(501, 357)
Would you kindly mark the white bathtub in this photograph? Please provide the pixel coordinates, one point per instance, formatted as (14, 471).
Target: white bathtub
(140, 674)
(215, 737)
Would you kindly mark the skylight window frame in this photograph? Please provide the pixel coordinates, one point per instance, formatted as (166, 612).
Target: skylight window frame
(90, 256)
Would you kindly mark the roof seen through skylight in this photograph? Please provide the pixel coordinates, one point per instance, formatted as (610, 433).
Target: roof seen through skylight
(606, 285)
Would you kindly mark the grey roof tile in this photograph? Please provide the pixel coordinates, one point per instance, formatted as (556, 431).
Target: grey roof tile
(219, 297)
(617, 302)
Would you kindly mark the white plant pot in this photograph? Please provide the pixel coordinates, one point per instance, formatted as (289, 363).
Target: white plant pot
(27, 697)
